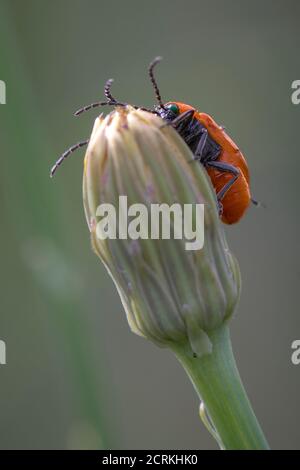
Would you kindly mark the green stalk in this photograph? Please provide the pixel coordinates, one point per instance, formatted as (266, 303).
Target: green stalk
(217, 381)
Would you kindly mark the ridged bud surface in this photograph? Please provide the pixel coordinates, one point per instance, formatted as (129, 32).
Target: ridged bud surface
(170, 294)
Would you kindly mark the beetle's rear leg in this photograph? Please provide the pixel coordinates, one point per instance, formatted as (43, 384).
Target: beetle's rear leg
(225, 168)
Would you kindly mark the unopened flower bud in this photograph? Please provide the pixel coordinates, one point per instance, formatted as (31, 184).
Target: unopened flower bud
(173, 289)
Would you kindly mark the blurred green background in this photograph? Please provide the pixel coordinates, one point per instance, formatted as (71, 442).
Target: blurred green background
(74, 376)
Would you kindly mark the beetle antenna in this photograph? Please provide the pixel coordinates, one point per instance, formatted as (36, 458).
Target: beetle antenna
(111, 101)
(107, 92)
(153, 81)
(66, 154)
(94, 105)
(258, 203)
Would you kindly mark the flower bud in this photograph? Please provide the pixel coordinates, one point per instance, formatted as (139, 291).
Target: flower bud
(171, 292)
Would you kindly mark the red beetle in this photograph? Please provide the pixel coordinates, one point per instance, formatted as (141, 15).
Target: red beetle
(211, 146)
(222, 159)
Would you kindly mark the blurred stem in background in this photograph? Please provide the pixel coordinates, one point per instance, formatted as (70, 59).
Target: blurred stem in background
(35, 216)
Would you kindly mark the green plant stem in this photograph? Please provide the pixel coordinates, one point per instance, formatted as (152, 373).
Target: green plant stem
(218, 383)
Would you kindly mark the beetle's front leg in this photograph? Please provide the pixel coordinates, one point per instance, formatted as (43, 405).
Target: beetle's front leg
(183, 119)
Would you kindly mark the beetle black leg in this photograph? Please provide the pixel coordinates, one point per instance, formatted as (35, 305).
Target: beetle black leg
(199, 152)
(225, 167)
(184, 118)
(213, 155)
(207, 149)
(201, 144)
(181, 121)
